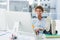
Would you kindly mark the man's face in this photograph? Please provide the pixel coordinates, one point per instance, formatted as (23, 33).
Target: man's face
(38, 11)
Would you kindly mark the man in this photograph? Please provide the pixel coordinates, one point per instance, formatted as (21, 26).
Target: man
(41, 22)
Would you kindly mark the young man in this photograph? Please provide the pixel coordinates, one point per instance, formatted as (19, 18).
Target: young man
(41, 22)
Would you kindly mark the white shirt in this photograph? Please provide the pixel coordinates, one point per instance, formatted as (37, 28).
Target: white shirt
(40, 23)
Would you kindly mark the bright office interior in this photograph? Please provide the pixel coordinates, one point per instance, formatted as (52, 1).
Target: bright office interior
(16, 18)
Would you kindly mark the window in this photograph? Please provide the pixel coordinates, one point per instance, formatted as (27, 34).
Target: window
(19, 6)
(42, 4)
(35, 0)
(3, 0)
(40, 0)
(48, 0)
(45, 4)
(3, 6)
(44, 0)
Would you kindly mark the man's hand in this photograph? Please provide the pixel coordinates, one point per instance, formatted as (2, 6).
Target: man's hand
(37, 30)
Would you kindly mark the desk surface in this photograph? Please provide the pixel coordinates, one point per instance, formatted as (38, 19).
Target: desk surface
(52, 36)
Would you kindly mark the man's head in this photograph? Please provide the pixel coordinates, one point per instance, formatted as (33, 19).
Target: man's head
(39, 10)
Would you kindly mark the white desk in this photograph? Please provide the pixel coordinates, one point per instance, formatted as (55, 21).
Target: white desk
(5, 36)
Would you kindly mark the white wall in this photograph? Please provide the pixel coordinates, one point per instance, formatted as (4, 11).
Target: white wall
(58, 8)
(58, 15)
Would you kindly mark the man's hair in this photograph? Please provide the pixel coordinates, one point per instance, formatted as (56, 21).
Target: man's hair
(39, 7)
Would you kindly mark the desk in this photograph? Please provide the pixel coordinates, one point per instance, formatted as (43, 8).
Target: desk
(5, 35)
(53, 37)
